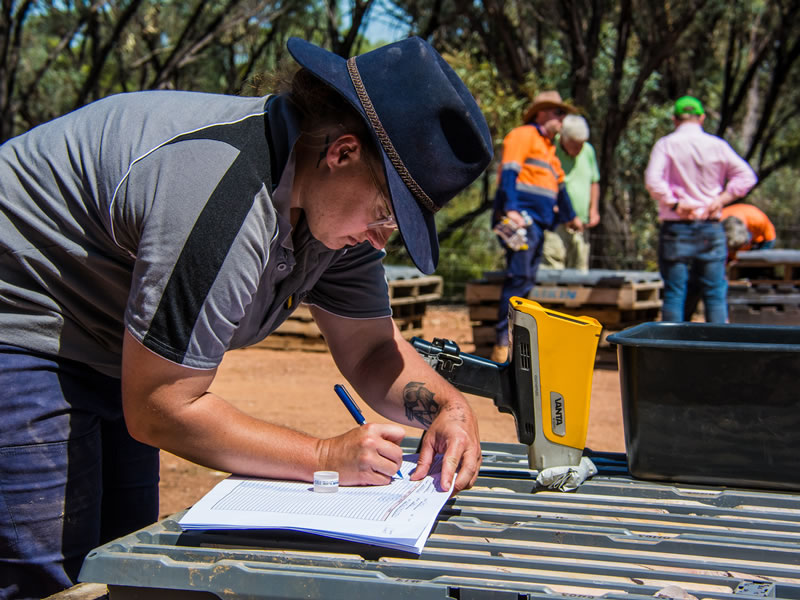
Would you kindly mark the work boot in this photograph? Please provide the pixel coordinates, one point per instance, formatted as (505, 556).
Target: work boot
(500, 354)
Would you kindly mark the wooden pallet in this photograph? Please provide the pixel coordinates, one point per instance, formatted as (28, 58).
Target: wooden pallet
(616, 303)
(415, 289)
(631, 295)
(300, 333)
(605, 314)
(767, 266)
(615, 306)
(281, 341)
(408, 298)
(769, 275)
(483, 332)
(764, 314)
(764, 302)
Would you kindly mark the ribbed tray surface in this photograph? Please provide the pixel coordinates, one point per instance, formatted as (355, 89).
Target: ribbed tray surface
(613, 537)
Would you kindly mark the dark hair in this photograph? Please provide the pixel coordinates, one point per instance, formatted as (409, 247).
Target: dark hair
(322, 107)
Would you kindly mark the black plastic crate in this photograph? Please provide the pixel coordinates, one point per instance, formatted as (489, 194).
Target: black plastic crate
(711, 403)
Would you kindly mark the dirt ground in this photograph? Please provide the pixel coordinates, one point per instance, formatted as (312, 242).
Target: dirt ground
(295, 389)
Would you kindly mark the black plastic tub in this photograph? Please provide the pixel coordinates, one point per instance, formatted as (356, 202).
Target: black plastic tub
(712, 403)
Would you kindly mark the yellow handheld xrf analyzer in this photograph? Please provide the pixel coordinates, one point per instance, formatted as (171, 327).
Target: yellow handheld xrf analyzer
(546, 383)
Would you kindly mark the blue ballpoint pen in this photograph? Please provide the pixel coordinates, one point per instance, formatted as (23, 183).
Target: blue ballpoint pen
(351, 405)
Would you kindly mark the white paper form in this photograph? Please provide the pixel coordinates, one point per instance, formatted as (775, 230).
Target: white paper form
(399, 515)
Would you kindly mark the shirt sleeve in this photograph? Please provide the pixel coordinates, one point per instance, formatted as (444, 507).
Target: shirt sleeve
(354, 285)
(593, 163)
(565, 211)
(205, 237)
(740, 176)
(655, 175)
(516, 146)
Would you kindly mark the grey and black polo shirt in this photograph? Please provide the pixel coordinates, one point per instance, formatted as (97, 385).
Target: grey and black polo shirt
(156, 212)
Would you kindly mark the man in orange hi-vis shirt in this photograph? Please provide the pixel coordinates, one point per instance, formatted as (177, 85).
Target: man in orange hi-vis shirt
(747, 227)
(530, 183)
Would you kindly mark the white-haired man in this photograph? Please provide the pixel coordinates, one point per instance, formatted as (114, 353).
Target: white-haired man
(565, 248)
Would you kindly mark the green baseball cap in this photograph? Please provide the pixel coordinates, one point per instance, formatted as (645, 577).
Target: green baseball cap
(688, 105)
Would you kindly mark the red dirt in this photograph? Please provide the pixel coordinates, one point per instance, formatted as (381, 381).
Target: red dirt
(295, 389)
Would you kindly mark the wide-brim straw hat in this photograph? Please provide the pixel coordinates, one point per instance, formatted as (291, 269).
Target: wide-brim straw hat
(545, 101)
(432, 136)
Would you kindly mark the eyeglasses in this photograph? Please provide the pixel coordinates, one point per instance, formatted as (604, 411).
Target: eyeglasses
(388, 221)
(559, 112)
(385, 223)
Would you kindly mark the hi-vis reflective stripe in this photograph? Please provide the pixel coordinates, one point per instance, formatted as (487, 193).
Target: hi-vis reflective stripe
(541, 163)
(537, 190)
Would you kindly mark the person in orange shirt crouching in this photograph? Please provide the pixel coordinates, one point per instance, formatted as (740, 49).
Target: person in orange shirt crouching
(747, 227)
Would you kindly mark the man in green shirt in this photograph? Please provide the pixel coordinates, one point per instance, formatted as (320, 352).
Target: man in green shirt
(564, 248)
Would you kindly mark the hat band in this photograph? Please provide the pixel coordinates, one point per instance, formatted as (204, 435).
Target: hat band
(383, 138)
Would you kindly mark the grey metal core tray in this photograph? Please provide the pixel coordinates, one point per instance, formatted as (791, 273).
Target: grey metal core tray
(615, 537)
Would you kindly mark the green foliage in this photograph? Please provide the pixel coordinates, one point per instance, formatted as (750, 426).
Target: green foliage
(502, 108)
(739, 56)
(473, 249)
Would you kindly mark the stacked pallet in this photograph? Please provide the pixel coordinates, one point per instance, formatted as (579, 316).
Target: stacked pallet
(409, 294)
(764, 287)
(618, 299)
(776, 266)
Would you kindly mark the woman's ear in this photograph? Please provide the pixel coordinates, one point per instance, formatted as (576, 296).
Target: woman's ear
(344, 151)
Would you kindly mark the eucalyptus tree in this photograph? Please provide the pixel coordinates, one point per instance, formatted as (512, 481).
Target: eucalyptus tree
(58, 55)
(623, 62)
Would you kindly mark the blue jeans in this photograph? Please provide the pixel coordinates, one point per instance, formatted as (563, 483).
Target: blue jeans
(693, 251)
(71, 477)
(521, 269)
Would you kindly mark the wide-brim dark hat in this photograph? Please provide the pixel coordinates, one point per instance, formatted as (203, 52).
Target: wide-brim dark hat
(433, 137)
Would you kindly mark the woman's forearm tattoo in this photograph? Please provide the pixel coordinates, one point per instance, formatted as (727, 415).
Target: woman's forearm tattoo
(419, 403)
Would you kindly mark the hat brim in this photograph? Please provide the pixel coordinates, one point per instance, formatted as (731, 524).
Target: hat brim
(546, 105)
(417, 226)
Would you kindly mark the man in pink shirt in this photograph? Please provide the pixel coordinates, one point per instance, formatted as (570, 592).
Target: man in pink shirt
(692, 175)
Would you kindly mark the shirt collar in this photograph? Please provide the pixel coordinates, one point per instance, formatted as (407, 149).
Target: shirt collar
(282, 130)
(689, 126)
(542, 132)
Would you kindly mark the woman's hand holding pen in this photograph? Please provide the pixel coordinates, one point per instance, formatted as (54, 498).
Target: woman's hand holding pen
(367, 455)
